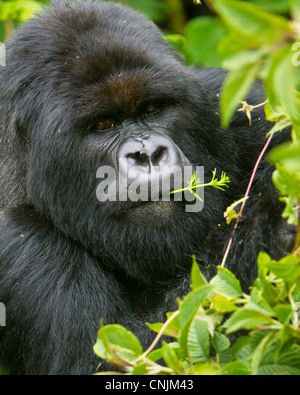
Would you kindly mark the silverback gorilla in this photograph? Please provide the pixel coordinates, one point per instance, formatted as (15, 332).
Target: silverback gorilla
(87, 84)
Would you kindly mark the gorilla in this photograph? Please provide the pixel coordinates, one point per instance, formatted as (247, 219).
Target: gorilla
(89, 85)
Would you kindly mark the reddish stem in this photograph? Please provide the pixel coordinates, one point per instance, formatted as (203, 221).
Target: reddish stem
(246, 197)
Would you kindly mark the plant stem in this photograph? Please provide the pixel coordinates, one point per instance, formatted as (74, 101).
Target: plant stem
(246, 196)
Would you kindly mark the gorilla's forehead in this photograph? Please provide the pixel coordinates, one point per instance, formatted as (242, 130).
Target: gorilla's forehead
(128, 90)
(99, 53)
(97, 57)
(92, 49)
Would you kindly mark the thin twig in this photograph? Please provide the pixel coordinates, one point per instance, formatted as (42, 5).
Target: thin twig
(247, 196)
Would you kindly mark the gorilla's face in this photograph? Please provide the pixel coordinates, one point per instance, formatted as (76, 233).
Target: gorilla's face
(112, 94)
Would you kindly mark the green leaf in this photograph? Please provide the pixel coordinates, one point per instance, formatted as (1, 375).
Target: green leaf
(287, 268)
(226, 284)
(220, 342)
(205, 369)
(211, 317)
(187, 311)
(230, 213)
(284, 313)
(191, 303)
(223, 305)
(236, 369)
(287, 155)
(262, 262)
(155, 355)
(252, 22)
(171, 358)
(198, 341)
(277, 370)
(235, 89)
(232, 45)
(290, 211)
(139, 370)
(198, 280)
(291, 357)
(282, 83)
(257, 302)
(265, 347)
(241, 349)
(281, 125)
(247, 319)
(273, 114)
(296, 134)
(280, 6)
(203, 36)
(171, 330)
(242, 59)
(287, 181)
(114, 341)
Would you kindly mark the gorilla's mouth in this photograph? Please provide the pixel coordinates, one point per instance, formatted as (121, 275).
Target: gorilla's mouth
(160, 210)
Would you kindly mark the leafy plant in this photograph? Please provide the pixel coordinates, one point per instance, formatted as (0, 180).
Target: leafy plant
(200, 328)
(251, 39)
(195, 183)
(254, 41)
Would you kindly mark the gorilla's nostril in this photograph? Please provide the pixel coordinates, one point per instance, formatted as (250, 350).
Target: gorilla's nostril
(159, 156)
(139, 158)
(151, 155)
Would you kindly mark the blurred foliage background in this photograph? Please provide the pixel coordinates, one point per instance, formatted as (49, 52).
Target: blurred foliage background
(199, 30)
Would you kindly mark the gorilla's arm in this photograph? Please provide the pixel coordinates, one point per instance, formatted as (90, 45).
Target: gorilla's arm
(55, 294)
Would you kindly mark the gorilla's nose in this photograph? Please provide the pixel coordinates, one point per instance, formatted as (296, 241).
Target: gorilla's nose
(156, 154)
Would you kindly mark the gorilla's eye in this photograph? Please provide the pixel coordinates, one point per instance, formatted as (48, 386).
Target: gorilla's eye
(150, 109)
(106, 124)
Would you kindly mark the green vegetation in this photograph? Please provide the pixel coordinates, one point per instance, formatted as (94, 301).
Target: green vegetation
(251, 39)
(200, 347)
(252, 42)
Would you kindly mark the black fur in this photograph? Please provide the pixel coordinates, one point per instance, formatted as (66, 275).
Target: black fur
(67, 260)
